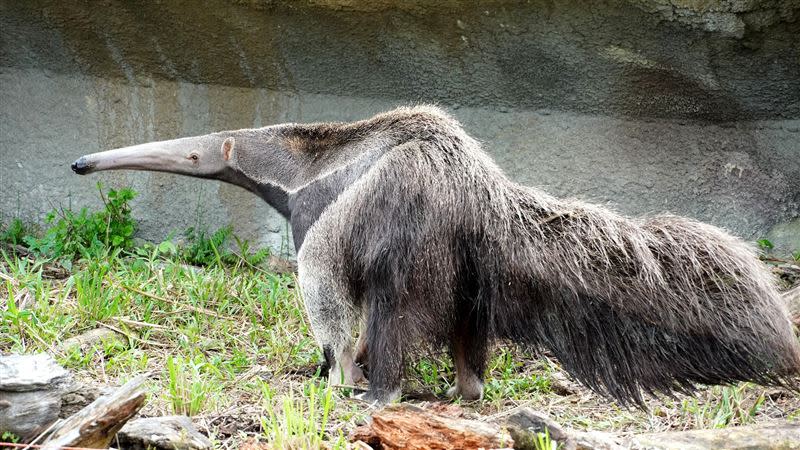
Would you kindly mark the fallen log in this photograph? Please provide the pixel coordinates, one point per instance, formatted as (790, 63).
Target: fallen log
(405, 426)
(96, 425)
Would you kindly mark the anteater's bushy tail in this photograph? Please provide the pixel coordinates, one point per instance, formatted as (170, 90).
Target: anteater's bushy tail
(653, 305)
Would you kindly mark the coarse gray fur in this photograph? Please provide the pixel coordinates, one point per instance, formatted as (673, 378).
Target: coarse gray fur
(407, 223)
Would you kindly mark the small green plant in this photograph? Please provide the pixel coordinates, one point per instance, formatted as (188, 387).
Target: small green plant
(14, 317)
(432, 372)
(543, 441)
(188, 390)
(202, 248)
(9, 437)
(254, 258)
(508, 378)
(95, 301)
(730, 408)
(85, 233)
(765, 244)
(301, 422)
(15, 232)
(208, 249)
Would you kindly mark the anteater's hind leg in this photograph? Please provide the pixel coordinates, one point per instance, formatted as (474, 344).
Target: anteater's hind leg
(333, 315)
(385, 336)
(468, 347)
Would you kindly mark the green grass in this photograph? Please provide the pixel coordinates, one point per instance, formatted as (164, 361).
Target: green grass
(300, 419)
(732, 407)
(189, 389)
(197, 329)
(232, 343)
(544, 442)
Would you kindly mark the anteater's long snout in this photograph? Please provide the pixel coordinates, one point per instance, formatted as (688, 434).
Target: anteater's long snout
(81, 166)
(199, 155)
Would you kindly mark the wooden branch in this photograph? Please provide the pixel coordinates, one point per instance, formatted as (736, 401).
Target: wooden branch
(406, 426)
(96, 425)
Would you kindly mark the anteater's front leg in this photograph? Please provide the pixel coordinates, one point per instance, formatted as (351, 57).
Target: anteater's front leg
(333, 317)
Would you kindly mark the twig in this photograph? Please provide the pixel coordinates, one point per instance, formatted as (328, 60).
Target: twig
(253, 371)
(780, 260)
(47, 345)
(10, 279)
(137, 323)
(347, 386)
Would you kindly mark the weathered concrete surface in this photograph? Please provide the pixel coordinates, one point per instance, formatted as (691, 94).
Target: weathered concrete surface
(651, 105)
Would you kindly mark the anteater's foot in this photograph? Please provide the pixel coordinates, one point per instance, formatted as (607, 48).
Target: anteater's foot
(347, 375)
(379, 398)
(469, 390)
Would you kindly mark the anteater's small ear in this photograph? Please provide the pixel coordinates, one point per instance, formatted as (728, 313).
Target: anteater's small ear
(227, 148)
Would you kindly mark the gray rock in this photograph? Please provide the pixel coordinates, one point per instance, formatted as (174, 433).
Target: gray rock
(776, 436)
(31, 387)
(524, 425)
(171, 432)
(24, 373)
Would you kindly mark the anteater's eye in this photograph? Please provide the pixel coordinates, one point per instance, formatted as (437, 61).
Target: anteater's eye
(194, 157)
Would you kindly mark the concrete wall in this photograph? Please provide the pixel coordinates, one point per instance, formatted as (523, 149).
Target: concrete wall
(691, 107)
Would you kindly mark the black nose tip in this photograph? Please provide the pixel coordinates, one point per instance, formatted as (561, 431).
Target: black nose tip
(80, 166)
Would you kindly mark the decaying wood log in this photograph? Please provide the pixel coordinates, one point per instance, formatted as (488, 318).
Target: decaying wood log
(95, 425)
(31, 390)
(406, 426)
